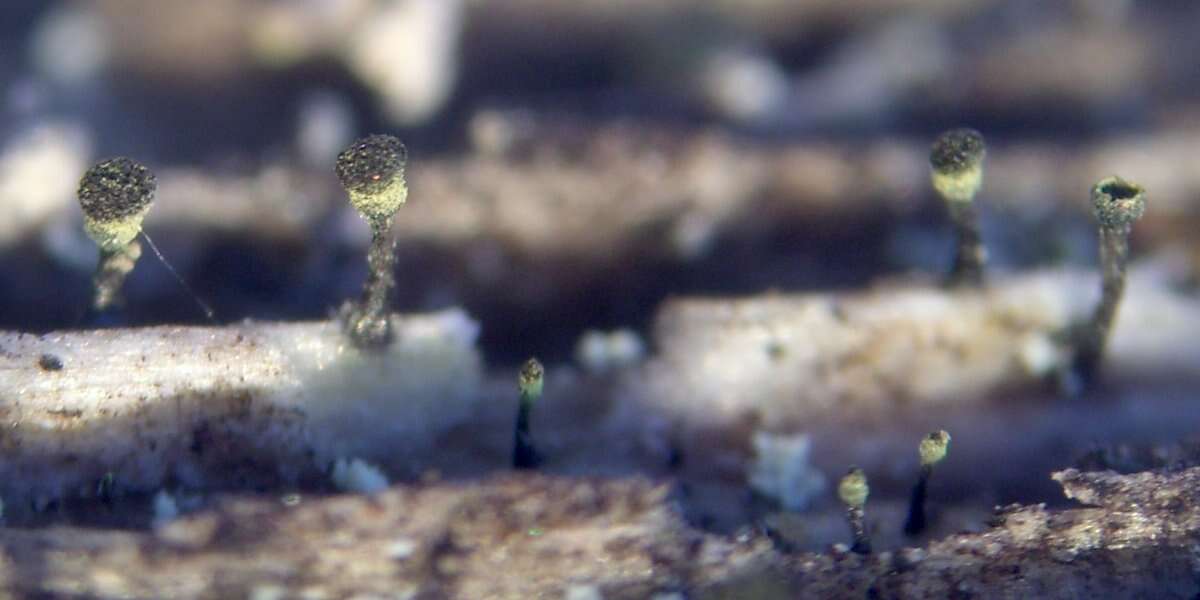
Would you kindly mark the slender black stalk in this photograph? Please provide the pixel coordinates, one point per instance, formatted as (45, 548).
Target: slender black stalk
(857, 518)
(970, 256)
(531, 382)
(368, 323)
(916, 521)
(1114, 254)
(525, 456)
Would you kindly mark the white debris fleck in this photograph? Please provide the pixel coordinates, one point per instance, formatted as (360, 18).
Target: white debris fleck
(1039, 355)
(268, 591)
(583, 592)
(781, 469)
(408, 53)
(401, 548)
(358, 476)
(324, 127)
(742, 84)
(38, 174)
(165, 507)
(70, 44)
(600, 352)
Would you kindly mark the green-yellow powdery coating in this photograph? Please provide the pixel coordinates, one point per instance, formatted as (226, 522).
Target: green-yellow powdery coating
(116, 234)
(853, 488)
(933, 448)
(372, 171)
(956, 164)
(531, 378)
(1117, 203)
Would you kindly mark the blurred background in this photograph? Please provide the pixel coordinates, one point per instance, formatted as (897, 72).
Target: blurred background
(575, 162)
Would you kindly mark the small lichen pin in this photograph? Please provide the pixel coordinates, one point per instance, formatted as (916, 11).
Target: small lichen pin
(530, 381)
(853, 491)
(932, 450)
(1117, 204)
(115, 195)
(956, 161)
(372, 172)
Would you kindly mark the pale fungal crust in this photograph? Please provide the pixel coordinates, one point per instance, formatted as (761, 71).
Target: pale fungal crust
(283, 401)
(853, 488)
(372, 171)
(933, 448)
(115, 195)
(956, 164)
(1117, 203)
(894, 348)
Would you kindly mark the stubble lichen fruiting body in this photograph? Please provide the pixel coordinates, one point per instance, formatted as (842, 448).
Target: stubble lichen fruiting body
(530, 383)
(115, 195)
(372, 172)
(1117, 204)
(931, 450)
(853, 490)
(956, 171)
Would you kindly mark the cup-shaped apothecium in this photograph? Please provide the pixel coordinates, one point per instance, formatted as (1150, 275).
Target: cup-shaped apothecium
(372, 171)
(956, 170)
(1118, 203)
(115, 195)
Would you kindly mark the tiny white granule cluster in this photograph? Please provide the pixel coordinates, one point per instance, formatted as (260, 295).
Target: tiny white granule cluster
(600, 352)
(358, 476)
(165, 507)
(781, 469)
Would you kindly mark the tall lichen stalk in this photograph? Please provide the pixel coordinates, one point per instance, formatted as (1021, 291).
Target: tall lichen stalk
(1117, 205)
(931, 451)
(530, 382)
(381, 280)
(372, 171)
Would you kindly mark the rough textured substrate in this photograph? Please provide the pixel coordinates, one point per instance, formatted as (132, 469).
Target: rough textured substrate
(898, 347)
(247, 405)
(536, 536)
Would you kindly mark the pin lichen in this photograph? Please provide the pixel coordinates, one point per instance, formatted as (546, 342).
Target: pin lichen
(530, 381)
(115, 195)
(1117, 204)
(372, 172)
(956, 170)
(853, 491)
(932, 450)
